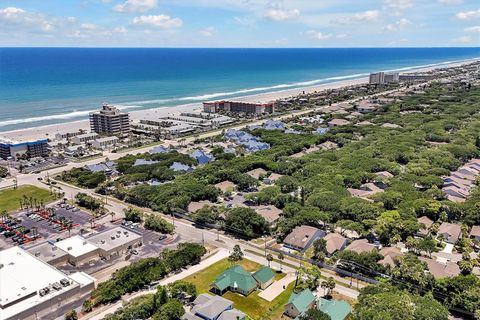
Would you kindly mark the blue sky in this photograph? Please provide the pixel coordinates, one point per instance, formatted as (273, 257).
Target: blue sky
(240, 23)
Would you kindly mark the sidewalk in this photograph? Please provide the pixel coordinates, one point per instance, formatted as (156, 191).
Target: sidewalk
(101, 312)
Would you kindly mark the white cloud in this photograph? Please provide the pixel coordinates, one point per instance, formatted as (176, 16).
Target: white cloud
(467, 15)
(207, 32)
(277, 12)
(158, 21)
(399, 4)
(12, 18)
(244, 21)
(397, 26)
(120, 30)
(88, 26)
(464, 39)
(475, 29)
(451, 2)
(317, 35)
(366, 16)
(136, 6)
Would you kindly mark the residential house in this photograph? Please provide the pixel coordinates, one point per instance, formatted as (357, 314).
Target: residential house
(302, 237)
(475, 232)
(225, 186)
(143, 162)
(158, 150)
(335, 242)
(427, 224)
(321, 131)
(360, 246)
(441, 270)
(450, 231)
(338, 123)
(336, 309)
(194, 206)
(274, 125)
(235, 279)
(209, 307)
(269, 213)
(177, 167)
(202, 157)
(389, 254)
(264, 277)
(256, 173)
(299, 303)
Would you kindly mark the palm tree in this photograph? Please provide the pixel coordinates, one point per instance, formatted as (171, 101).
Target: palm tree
(112, 214)
(330, 285)
(324, 286)
(4, 214)
(281, 257)
(269, 259)
(69, 227)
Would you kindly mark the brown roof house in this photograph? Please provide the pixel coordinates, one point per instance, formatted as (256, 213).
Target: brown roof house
(302, 237)
(389, 254)
(225, 186)
(256, 173)
(475, 232)
(360, 246)
(339, 123)
(427, 223)
(441, 270)
(269, 213)
(450, 231)
(335, 242)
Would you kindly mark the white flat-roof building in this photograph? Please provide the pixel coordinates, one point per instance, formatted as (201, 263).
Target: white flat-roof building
(49, 253)
(104, 143)
(115, 242)
(79, 250)
(84, 138)
(32, 289)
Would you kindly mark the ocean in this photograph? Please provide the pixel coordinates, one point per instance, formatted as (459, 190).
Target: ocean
(41, 86)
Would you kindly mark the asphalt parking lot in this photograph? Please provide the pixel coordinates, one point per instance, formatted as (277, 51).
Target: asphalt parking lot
(48, 230)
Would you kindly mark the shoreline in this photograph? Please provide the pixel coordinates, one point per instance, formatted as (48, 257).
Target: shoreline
(49, 131)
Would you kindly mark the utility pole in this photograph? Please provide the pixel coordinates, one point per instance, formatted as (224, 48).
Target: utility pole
(265, 246)
(173, 219)
(218, 235)
(203, 239)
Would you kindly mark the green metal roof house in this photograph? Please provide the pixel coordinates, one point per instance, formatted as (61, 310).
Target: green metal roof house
(264, 277)
(235, 279)
(300, 302)
(336, 309)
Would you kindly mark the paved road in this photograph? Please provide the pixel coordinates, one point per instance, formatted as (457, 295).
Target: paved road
(100, 313)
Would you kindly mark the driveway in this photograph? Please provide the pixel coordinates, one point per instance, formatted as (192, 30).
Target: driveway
(277, 287)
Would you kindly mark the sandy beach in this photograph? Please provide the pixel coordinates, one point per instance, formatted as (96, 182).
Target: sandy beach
(50, 130)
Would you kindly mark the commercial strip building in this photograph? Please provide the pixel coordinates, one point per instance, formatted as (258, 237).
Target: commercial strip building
(109, 120)
(238, 107)
(32, 289)
(78, 250)
(17, 149)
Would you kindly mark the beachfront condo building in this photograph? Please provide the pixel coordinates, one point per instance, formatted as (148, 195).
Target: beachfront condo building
(238, 107)
(109, 120)
(23, 149)
(383, 78)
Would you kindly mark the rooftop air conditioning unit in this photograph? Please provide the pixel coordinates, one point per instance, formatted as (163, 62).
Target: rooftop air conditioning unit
(69, 248)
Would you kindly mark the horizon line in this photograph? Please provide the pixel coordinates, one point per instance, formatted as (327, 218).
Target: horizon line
(167, 47)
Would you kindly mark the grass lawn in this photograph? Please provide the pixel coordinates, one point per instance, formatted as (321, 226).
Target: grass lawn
(253, 305)
(10, 198)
